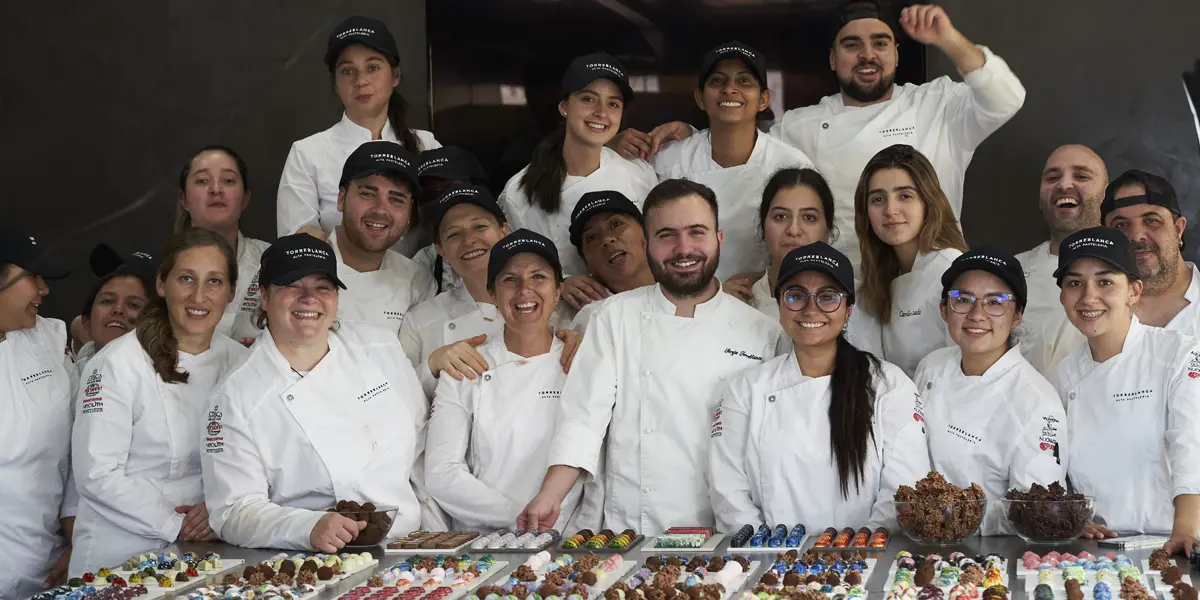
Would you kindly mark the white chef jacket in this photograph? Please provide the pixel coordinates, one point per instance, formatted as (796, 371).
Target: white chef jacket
(668, 373)
(1187, 320)
(1046, 335)
(1002, 430)
(385, 295)
(634, 178)
(281, 448)
(136, 449)
(427, 257)
(917, 328)
(37, 381)
(489, 442)
(862, 330)
(772, 459)
(584, 315)
(70, 502)
(238, 320)
(449, 317)
(308, 187)
(738, 189)
(1134, 423)
(942, 119)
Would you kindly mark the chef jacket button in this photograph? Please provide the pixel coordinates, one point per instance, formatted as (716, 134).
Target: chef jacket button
(450, 327)
(646, 373)
(649, 430)
(770, 398)
(487, 376)
(290, 397)
(646, 490)
(824, 125)
(929, 385)
(1071, 396)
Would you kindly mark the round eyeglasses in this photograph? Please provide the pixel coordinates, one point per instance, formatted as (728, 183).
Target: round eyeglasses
(827, 301)
(993, 304)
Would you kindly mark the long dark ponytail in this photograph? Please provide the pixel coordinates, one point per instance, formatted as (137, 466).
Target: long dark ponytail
(543, 179)
(851, 409)
(398, 117)
(154, 331)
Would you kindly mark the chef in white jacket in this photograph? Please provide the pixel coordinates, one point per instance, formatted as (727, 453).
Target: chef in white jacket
(38, 377)
(114, 303)
(365, 66)
(1132, 396)
(732, 156)
(214, 191)
(315, 414)
(668, 349)
(774, 457)
(1072, 188)
(441, 168)
(1143, 206)
(606, 229)
(909, 237)
(944, 119)
(489, 437)
(992, 419)
(573, 160)
(378, 197)
(135, 447)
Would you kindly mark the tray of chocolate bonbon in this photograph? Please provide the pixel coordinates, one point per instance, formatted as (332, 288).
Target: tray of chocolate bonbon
(1055, 569)
(260, 592)
(311, 569)
(606, 541)
(955, 575)
(848, 538)
(688, 539)
(764, 538)
(579, 577)
(515, 541)
(1129, 589)
(426, 542)
(1164, 572)
(1179, 591)
(167, 570)
(793, 572)
(428, 577)
(77, 590)
(697, 577)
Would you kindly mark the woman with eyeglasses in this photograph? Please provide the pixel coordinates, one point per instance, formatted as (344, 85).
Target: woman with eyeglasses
(825, 433)
(991, 417)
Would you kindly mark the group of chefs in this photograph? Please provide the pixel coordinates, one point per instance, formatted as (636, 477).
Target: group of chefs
(642, 330)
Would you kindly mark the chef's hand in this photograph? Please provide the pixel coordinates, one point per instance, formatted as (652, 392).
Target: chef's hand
(1096, 531)
(928, 24)
(632, 144)
(540, 514)
(195, 526)
(581, 290)
(58, 573)
(316, 232)
(79, 334)
(1181, 544)
(741, 285)
(333, 532)
(459, 359)
(571, 340)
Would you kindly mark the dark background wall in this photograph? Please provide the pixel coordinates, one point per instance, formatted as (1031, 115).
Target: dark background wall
(101, 102)
(1104, 73)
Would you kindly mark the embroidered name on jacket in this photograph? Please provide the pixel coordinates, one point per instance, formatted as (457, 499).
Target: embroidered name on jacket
(214, 442)
(892, 132)
(963, 434)
(550, 394)
(375, 391)
(393, 315)
(36, 377)
(910, 313)
(1131, 396)
(743, 354)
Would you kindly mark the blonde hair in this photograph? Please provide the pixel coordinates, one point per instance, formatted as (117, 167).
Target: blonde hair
(939, 230)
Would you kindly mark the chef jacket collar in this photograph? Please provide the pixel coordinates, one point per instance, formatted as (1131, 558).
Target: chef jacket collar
(276, 358)
(461, 294)
(353, 132)
(1133, 339)
(707, 308)
(555, 346)
(923, 259)
(1007, 363)
(1192, 295)
(384, 265)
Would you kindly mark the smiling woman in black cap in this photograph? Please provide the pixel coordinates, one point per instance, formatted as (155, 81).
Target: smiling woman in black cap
(992, 418)
(489, 439)
(573, 161)
(441, 168)
(37, 378)
(1132, 396)
(113, 306)
(318, 412)
(365, 65)
(825, 433)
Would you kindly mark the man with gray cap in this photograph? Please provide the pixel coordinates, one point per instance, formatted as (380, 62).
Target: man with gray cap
(1143, 206)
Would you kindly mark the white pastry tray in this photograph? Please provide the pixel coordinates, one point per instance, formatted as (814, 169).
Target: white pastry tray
(709, 546)
(735, 586)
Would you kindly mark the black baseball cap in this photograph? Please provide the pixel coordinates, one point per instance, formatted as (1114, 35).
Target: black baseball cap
(369, 32)
(294, 257)
(19, 248)
(1103, 243)
(737, 51)
(590, 67)
(597, 203)
(860, 9)
(817, 256)
(457, 194)
(451, 163)
(1159, 192)
(993, 260)
(520, 242)
(381, 156)
(105, 259)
